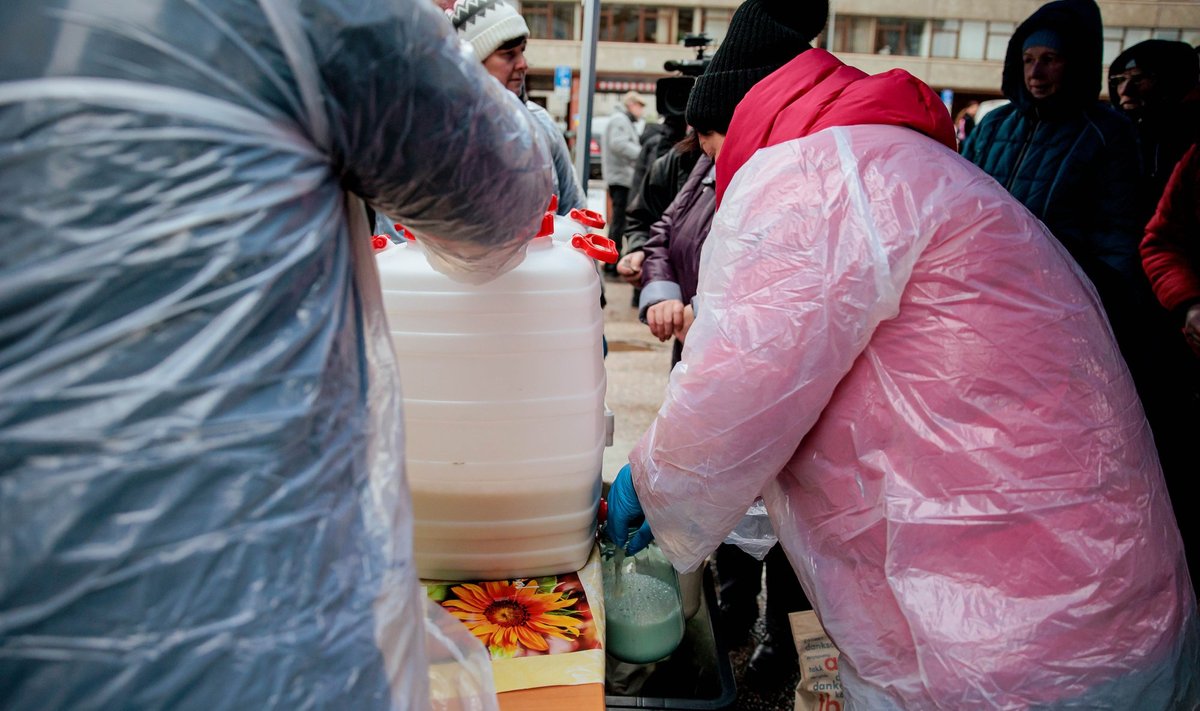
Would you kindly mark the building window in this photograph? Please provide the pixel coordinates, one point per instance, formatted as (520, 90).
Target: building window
(945, 38)
(716, 24)
(998, 35)
(854, 34)
(972, 39)
(1114, 43)
(895, 35)
(550, 20)
(1119, 39)
(1133, 35)
(686, 22)
(628, 23)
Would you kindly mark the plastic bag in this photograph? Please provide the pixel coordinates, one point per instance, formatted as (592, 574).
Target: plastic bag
(820, 687)
(202, 496)
(753, 534)
(460, 669)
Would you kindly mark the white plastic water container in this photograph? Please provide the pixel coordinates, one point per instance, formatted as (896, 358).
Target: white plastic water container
(503, 387)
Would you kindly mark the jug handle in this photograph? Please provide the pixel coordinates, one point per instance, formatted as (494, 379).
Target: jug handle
(547, 225)
(596, 247)
(591, 218)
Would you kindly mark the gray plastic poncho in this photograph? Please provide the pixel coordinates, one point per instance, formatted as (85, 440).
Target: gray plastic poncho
(202, 502)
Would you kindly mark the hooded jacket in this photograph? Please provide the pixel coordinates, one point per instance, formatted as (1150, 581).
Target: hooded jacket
(920, 384)
(1069, 159)
(1170, 122)
(202, 494)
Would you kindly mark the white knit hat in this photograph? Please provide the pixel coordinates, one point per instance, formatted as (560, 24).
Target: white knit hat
(487, 24)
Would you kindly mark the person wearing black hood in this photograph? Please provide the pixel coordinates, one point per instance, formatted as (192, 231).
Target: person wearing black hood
(1073, 161)
(1156, 83)
(1068, 158)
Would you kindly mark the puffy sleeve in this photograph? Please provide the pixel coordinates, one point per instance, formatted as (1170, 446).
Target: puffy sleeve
(808, 253)
(418, 128)
(570, 194)
(1171, 248)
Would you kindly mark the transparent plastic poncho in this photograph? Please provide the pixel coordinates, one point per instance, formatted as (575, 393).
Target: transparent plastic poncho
(202, 496)
(922, 386)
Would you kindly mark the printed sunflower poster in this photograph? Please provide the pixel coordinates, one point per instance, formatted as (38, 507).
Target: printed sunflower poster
(544, 631)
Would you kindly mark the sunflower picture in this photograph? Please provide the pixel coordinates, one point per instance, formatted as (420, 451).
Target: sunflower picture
(523, 617)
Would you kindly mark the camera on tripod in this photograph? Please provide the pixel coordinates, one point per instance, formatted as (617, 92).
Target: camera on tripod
(691, 67)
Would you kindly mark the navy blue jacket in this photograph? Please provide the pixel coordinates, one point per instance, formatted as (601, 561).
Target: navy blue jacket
(1068, 158)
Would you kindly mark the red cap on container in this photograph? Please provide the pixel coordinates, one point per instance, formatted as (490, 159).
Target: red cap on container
(597, 247)
(378, 242)
(404, 232)
(547, 225)
(591, 218)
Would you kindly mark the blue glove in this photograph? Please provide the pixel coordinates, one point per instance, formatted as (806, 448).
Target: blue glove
(624, 511)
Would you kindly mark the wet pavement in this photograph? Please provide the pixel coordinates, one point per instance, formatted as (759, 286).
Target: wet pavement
(637, 366)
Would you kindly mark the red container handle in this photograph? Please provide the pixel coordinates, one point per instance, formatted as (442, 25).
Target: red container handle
(553, 204)
(596, 247)
(591, 218)
(404, 232)
(547, 225)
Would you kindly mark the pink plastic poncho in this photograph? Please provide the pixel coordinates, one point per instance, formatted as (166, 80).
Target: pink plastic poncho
(923, 387)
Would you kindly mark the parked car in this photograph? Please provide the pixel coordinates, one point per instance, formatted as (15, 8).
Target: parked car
(599, 123)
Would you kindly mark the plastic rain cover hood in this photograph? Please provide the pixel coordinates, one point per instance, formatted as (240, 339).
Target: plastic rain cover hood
(202, 498)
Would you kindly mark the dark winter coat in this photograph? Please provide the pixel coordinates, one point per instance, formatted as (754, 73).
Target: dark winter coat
(1069, 159)
(1074, 163)
(657, 140)
(1170, 122)
(658, 188)
(672, 265)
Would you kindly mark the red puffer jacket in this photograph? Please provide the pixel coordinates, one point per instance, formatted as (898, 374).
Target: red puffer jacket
(1171, 247)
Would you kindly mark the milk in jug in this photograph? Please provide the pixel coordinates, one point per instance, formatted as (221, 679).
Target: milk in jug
(503, 389)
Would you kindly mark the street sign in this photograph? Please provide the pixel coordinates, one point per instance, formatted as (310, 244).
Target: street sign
(562, 81)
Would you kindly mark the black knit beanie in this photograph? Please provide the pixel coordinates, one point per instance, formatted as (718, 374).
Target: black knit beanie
(763, 36)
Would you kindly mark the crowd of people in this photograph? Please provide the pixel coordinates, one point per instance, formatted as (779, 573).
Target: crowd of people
(958, 361)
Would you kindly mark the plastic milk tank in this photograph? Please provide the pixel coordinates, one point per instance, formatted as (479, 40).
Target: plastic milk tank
(503, 387)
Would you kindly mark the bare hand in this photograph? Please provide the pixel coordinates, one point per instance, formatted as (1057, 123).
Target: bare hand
(1191, 328)
(630, 267)
(689, 316)
(665, 318)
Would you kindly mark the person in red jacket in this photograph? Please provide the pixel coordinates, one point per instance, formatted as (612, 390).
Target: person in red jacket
(1171, 247)
(921, 384)
(1170, 254)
